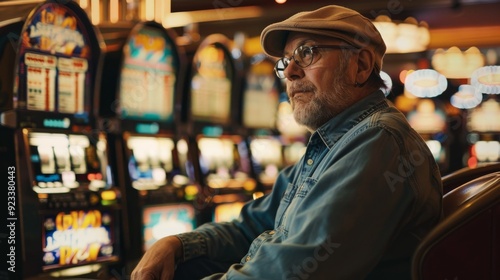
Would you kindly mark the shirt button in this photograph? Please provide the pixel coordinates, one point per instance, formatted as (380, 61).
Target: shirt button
(247, 258)
(310, 162)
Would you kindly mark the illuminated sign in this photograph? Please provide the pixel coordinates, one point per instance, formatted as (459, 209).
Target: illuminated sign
(54, 65)
(77, 237)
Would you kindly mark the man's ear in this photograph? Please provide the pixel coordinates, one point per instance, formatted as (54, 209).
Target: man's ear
(366, 62)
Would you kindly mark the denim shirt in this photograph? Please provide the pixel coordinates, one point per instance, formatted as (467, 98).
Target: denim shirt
(355, 206)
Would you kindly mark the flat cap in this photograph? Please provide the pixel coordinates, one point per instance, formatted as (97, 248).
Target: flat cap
(330, 21)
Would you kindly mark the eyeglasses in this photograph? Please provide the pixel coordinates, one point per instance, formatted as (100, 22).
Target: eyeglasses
(303, 57)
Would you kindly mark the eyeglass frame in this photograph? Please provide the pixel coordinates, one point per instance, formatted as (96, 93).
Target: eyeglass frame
(311, 48)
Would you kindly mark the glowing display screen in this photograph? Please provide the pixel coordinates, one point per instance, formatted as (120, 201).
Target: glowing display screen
(261, 96)
(211, 85)
(225, 163)
(61, 162)
(148, 76)
(162, 220)
(157, 161)
(78, 237)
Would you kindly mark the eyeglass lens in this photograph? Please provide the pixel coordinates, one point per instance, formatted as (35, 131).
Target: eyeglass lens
(302, 55)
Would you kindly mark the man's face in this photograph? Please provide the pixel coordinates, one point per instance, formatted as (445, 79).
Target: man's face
(319, 91)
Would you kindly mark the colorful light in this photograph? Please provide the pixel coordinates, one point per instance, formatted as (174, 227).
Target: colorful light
(405, 37)
(455, 64)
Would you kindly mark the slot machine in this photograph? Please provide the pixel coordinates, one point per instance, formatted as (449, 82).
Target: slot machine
(261, 98)
(214, 123)
(67, 208)
(9, 34)
(153, 165)
(429, 119)
(483, 133)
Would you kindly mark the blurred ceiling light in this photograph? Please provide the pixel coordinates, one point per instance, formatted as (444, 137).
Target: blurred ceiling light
(280, 1)
(178, 19)
(425, 83)
(466, 97)
(486, 79)
(484, 118)
(455, 64)
(404, 37)
(388, 82)
(427, 118)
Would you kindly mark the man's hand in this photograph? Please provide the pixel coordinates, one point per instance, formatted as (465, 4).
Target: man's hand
(159, 261)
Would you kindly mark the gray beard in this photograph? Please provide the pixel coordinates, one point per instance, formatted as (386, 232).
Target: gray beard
(323, 106)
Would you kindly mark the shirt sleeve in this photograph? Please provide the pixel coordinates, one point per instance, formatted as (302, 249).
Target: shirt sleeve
(229, 241)
(341, 225)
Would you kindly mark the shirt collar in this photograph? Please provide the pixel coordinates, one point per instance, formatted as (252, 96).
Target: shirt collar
(336, 127)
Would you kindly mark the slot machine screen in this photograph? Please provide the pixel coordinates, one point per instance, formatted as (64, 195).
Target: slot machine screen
(54, 62)
(484, 118)
(163, 220)
(148, 76)
(227, 212)
(211, 85)
(225, 163)
(78, 237)
(267, 154)
(150, 161)
(261, 95)
(61, 162)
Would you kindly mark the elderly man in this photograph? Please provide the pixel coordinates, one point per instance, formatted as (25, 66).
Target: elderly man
(361, 198)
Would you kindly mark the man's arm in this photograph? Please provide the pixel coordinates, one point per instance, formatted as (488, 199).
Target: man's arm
(229, 241)
(225, 242)
(159, 261)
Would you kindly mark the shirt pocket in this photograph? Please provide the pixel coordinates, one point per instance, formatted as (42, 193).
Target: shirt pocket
(292, 201)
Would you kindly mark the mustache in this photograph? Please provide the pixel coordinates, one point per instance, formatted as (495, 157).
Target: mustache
(295, 87)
